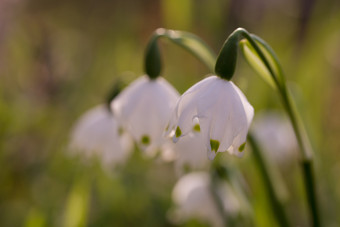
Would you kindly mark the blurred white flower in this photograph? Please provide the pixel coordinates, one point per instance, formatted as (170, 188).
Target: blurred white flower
(193, 199)
(219, 110)
(144, 109)
(97, 133)
(190, 153)
(276, 135)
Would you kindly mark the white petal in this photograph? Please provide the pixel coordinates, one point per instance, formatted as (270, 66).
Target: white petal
(193, 199)
(125, 102)
(190, 106)
(144, 109)
(237, 114)
(191, 152)
(248, 109)
(96, 133)
(275, 134)
(187, 184)
(239, 141)
(223, 113)
(221, 118)
(211, 154)
(193, 92)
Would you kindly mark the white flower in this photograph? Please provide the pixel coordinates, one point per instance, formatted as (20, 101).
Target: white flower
(190, 153)
(276, 135)
(193, 198)
(218, 109)
(97, 133)
(144, 108)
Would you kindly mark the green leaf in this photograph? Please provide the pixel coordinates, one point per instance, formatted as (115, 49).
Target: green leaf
(35, 219)
(77, 205)
(256, 63)
(195, 45)
(271, 58)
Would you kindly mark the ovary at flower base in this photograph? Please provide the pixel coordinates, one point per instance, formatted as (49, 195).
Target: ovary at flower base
(219, 109)
(143, 109)
(96, 133)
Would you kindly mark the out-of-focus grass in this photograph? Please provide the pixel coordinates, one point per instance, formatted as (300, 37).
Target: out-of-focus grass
(58, 59)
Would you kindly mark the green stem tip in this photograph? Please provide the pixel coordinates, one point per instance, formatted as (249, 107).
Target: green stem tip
(227, 58)
(113, 93)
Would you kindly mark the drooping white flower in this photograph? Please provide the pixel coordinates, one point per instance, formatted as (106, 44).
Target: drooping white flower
(193, 199)
(144, 108)
(219, 110)
(276, 136)
(97, 133)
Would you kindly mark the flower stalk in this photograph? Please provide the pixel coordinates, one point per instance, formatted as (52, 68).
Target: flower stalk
(275, 201)
(263, 50)
(186, 40)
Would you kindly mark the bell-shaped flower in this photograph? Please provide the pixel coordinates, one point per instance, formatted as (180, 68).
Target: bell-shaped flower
(194, 199)
(190, 154)
(97, 134)
(276, 136)
(218, 109)
(144, 109)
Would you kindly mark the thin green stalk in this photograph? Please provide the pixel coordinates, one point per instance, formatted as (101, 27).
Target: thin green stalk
(299, 130)
(221, 173)
(310, 185)
(275, 201)
(302, 139)
(190, 42)
(286, 99)
(306, 164)
(219, 204)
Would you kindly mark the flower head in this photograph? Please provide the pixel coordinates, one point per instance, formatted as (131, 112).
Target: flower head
(96, 133)
(144, 108)
(193, 198)
(276, 135)
(190, 154)
(219, 110)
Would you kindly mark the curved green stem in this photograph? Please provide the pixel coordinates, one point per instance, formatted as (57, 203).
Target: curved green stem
(299, 130)
(225, 68)
(227, 57)
(186, 40)
(226, 60)
(275, 200)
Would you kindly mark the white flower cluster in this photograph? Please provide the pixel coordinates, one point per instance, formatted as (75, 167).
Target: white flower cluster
(212, 116)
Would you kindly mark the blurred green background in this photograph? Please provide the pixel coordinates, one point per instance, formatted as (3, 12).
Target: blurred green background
(60, 58)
